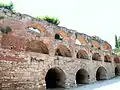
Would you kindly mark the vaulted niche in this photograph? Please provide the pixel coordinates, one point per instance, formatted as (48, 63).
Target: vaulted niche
(82, 54)
(58, 37)
(101, 74)
(106, 46)
(55, 78)
(36, 28)
(80, 40)
(117, 70)
(63, 51)
(116, 60)
(96, 57)
(33, 30)
(82, 77)
(37, 46)
(107, 58)
(95, 44)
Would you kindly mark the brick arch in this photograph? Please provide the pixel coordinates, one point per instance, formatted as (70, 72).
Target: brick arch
(63, 51)
(95, 44)
(55, 78)
(101, 73)
(40, 27)
(80, 40)
(62, 34)
(82, 76)
(96, 56)
(107, 58)
(106, 46)
(116, 59)
(37, 46)
(82, 54)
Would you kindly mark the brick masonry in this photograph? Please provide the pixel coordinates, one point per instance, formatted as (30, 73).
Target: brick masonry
(26, 56)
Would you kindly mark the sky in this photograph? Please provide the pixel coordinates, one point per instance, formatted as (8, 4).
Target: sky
(92, 17)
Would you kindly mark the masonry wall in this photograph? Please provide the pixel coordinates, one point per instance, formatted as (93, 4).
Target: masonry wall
(26, 56)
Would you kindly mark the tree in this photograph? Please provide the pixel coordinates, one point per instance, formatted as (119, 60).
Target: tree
(116, 42)
(49, 19)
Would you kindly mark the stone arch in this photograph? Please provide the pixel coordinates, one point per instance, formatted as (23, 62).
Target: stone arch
(55, 78)
(101, 73)
(117, 70)
(107, 58)
(106, 46)
(37, 46)
(63, 51)
(96, 56)
(82, 77)
(58, 37)
(37, 26)
(82, 54)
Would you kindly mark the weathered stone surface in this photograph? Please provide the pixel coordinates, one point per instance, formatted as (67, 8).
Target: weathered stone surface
(25, 57)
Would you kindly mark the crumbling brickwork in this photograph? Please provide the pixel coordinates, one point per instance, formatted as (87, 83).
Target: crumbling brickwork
(31, 55)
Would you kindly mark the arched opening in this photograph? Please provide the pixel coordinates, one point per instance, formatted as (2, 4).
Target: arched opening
(107, 58)
(117, 71)
(82, 54)
(116, 60)
(96, 56)
(58, 37)
(37, 26)
(82, 77)
(63, 51)
(77, 42)
(33, 30)
(101, 74)
(37, 46)
(55, 78)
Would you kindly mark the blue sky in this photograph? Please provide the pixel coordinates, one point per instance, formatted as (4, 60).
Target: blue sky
(93, 17)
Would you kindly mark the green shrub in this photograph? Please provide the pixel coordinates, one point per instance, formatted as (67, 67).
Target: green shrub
(49, 19)
(9, 6)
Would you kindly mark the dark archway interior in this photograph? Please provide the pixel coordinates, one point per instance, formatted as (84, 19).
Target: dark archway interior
(96, 56)
(117, 70)
(101, 74)
(107, 58)
(82, 54)
(58, 37)
(82, 77)
(55, 78)
(63, 51)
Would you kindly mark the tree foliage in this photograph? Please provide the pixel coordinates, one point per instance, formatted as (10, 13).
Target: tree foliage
(116, 42)
(49, 19)
(117, 45)
(9, 6)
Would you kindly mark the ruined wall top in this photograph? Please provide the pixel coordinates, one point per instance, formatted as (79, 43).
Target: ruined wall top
(50, 29)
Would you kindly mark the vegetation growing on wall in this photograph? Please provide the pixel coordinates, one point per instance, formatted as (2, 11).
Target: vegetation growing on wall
(5, 30)
(9, 6)
(49, 19)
